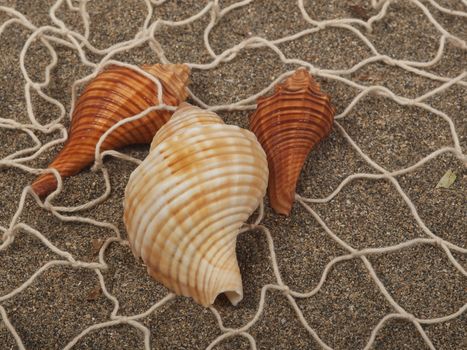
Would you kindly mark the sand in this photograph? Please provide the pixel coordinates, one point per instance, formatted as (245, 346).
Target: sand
(366, 213)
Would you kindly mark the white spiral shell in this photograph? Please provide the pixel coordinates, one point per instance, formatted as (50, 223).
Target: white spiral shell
(184, 205)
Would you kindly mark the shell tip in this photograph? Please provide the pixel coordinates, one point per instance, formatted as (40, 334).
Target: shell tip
(280, 199)
(282, 210)
(43, 186)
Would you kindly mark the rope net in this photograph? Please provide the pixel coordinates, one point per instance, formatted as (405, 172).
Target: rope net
(49, 37)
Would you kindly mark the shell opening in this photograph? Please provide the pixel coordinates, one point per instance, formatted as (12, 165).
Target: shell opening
(234, 296)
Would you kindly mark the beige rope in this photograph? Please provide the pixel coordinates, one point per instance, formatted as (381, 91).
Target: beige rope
(60, 34)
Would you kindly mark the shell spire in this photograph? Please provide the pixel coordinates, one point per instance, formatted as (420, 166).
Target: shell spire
(288, 124)
(185, 203)
(115, 94)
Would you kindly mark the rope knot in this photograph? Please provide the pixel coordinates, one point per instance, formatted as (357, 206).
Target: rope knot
(124, 319)
(97, 165)
(439, 242)
(7, 234)
(6, 240)
(144, 33)
(321, 25)
(389, 61)
(36, 86)
(65, 31)
(48, 206)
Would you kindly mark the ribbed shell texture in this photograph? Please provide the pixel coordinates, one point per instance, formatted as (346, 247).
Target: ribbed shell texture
(115, 94)
(184, 205)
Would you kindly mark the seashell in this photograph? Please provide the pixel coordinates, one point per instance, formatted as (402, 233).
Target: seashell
(115, 94)
(185, 203)
(288, 124)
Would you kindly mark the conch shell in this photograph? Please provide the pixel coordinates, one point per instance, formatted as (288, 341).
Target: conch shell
(288, 124)
(184, 205)
(115, 94)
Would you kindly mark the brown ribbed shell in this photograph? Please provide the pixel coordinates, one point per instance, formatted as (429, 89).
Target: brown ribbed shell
(115, 94)
(288, 125)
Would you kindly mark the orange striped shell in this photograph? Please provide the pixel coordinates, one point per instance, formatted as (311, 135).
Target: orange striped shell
(288, 125)
(115, 94)
(185, 203)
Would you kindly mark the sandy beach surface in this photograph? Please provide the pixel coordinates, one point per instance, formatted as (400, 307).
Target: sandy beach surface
(367, 213)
